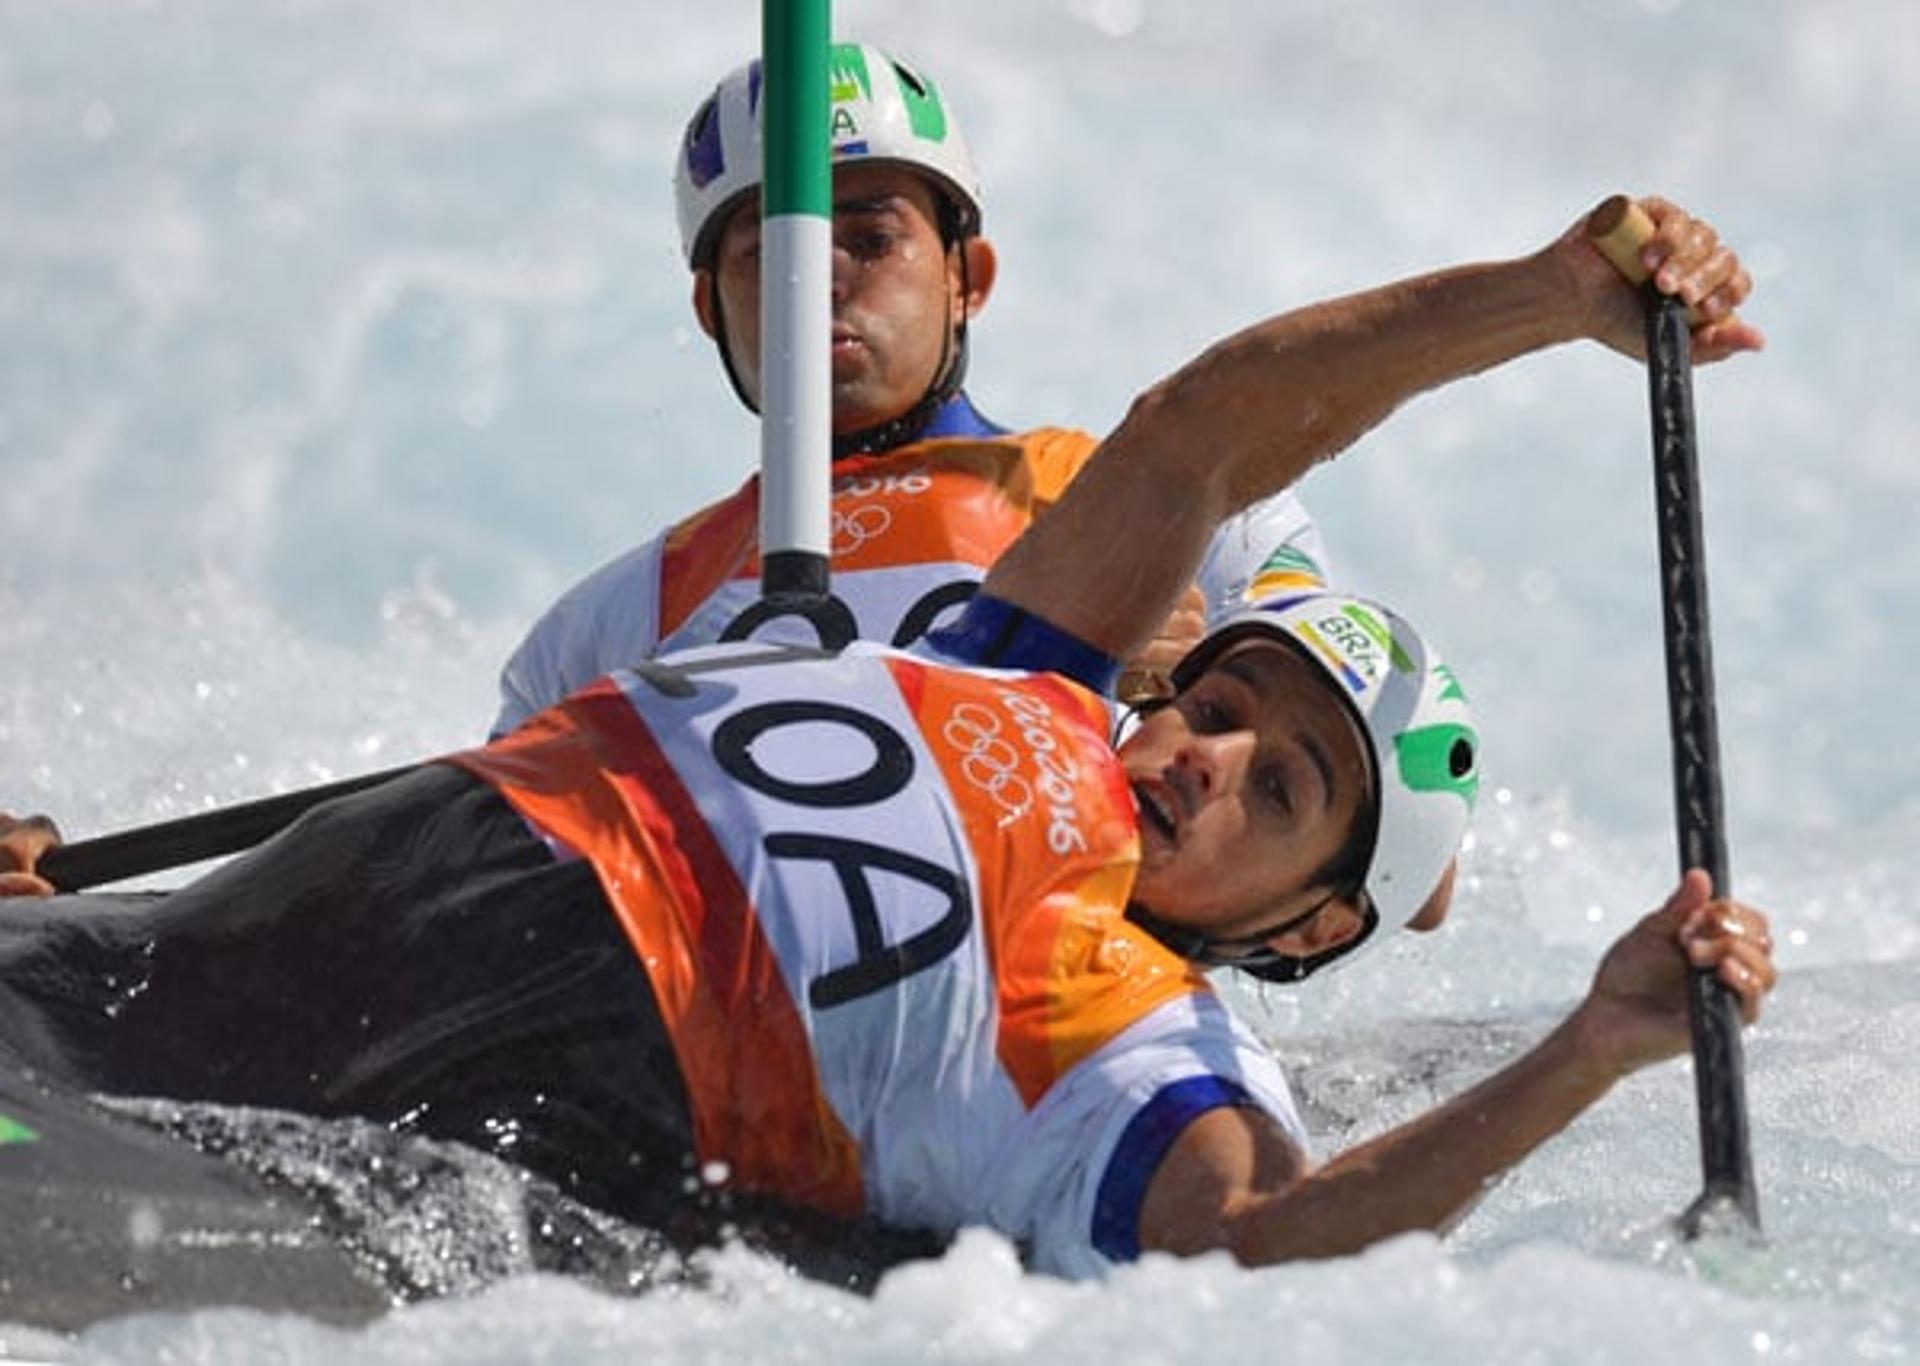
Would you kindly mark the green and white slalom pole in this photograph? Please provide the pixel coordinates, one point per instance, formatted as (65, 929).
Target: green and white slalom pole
(796, 313)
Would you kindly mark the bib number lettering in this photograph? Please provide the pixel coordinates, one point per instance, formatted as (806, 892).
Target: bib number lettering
(879, 964)
(834, 625)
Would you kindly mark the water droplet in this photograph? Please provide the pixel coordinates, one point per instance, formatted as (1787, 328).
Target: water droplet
(144, 1226)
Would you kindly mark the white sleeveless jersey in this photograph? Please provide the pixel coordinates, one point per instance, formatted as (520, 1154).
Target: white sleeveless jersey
(915, 529)
(880, 900)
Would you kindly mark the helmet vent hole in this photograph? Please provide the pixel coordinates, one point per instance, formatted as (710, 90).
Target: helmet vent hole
(913, 82)
(1460, 758)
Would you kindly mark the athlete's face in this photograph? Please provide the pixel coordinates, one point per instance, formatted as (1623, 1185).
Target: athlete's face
(899, 293)
(1249, 784)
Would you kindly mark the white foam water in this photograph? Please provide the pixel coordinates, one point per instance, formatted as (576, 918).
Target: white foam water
(342, 335)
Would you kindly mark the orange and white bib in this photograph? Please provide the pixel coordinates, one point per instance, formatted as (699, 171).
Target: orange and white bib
(880, 900)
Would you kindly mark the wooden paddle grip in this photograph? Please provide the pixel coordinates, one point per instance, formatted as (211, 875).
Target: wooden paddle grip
(1618, 228)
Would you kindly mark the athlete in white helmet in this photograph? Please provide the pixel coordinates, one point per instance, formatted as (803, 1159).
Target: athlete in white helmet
(897, 932)
(885, 114)
(1421, 753)
(927, 491)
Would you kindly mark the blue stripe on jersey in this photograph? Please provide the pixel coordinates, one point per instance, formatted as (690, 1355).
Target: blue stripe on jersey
(994, 633)
(1116, 1210)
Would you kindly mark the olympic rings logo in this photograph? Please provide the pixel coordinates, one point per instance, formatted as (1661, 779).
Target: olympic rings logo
(854, 527)
(989, 761)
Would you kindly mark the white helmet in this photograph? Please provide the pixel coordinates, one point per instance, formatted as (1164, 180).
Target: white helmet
(1425, 751)
(883, 110)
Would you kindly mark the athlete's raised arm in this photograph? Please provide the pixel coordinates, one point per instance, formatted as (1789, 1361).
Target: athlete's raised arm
(1255, 412)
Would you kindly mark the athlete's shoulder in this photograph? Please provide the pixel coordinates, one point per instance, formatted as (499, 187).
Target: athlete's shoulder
(1056, 455)
(741, 507)
(608, 618)
(1053, 454)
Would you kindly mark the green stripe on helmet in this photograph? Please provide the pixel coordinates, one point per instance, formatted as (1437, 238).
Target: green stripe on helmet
(850, 78)
(1288, 558)
(847, 76)
(878, 109)
(1382, 637)
(925, 114)
(13, 1131)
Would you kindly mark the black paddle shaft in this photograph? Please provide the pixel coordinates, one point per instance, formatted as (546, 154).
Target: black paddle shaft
(1713, 1010)
(172, 844)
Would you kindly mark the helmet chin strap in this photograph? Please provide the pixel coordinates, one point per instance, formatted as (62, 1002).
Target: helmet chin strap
(1199, 947)
(726, 352)
(1251, 953)
(949, 374)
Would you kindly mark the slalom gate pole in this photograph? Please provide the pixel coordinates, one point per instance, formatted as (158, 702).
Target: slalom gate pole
(796, 317)
(1728, 1201)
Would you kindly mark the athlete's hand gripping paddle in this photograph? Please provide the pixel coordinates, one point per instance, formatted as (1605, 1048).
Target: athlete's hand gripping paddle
(1728, 1202)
